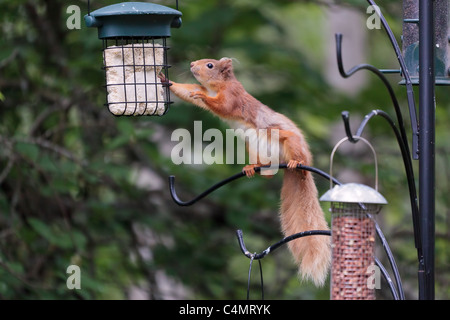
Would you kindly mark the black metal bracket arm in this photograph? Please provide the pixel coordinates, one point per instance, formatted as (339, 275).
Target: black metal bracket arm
(257, 256)
(236, 176)
(403, 148)
(397, 293)
(377, 72)
(408, 83)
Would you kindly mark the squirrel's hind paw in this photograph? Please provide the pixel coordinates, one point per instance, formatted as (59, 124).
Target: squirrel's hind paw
(249, 170)
(292, 164)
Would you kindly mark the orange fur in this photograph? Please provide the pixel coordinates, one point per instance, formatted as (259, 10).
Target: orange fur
(222, 94)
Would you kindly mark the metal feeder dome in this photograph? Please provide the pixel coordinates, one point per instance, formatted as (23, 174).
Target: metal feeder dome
(353, 193)
(354, 198)
(134, 55)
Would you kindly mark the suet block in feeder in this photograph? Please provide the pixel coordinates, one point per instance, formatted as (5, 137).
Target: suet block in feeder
(134, 38)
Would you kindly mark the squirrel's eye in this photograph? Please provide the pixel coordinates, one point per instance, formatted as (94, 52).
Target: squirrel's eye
(210, 65)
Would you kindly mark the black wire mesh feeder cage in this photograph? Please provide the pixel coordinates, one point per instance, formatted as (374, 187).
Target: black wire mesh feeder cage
(134, 36)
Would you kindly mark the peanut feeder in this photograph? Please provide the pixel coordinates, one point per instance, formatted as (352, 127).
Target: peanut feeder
(353, 236)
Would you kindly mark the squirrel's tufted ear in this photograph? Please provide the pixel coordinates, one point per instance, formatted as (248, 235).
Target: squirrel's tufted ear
(226, 66)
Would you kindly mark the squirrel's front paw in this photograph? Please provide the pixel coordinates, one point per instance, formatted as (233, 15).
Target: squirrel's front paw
(163, 79)
(197, 95)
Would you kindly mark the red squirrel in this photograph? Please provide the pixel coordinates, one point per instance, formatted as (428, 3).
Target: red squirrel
(222, 94)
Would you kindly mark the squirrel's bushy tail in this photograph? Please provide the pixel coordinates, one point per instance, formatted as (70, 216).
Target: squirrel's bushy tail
(300, 211)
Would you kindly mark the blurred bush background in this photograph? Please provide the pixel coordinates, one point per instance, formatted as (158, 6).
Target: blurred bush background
(80, 186)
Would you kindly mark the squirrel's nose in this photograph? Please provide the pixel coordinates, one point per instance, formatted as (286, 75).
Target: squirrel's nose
(192, 64)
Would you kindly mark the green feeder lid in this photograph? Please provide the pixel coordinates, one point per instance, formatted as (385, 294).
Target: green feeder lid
(134, 19)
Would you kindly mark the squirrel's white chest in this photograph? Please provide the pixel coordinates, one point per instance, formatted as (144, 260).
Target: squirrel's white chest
(211, 93)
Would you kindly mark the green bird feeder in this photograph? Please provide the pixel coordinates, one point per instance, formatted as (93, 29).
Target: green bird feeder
(134, 36)
(410, 41)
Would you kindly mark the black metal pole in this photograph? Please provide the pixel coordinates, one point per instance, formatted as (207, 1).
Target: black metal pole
(427, 143)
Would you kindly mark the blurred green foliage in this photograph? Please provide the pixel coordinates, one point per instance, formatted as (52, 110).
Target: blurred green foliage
(80, 186)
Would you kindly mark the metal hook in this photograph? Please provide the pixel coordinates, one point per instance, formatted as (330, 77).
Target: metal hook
(348, 131)
(354, 138)
(180, 202)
